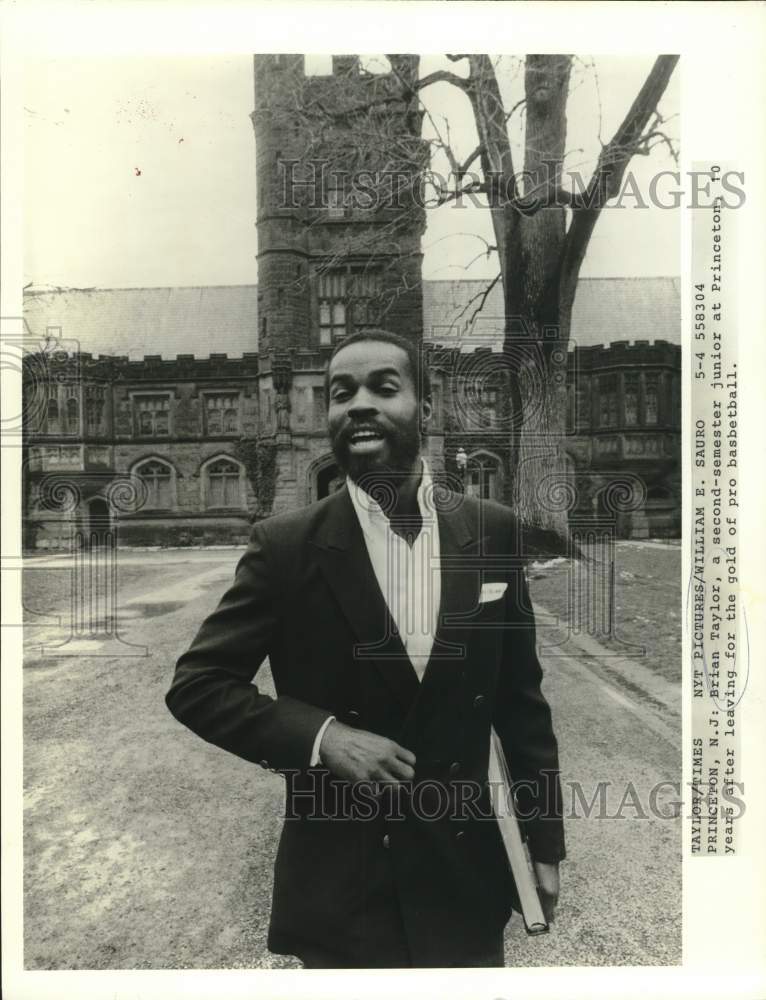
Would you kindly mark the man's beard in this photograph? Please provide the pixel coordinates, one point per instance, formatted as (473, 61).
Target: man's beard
(403, 450)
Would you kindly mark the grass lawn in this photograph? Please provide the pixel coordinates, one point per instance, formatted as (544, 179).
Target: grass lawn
(647, 606)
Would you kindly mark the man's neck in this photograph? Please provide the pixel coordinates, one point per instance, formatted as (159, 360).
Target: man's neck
(404, 516)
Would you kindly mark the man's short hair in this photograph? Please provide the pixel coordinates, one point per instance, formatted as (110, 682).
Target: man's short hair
(421, 377)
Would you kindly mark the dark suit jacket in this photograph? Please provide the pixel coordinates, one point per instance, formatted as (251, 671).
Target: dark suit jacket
(305, 594)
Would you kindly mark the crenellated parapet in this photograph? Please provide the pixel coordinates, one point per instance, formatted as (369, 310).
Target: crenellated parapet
(84, 365)
(627, 353)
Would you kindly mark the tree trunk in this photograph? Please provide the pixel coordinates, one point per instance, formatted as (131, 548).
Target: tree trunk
(536, 331)
(543, 487)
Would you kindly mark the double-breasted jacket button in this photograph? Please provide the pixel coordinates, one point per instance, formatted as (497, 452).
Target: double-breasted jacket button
(478, 701)
(353, 715)
(386, 840)
(264, 763)
(454, 769)
(460, 834)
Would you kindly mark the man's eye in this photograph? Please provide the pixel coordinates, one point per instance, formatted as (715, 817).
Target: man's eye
(388, 390)
(340, 395)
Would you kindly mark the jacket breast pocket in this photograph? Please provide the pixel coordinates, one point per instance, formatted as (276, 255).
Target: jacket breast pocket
(492, 592)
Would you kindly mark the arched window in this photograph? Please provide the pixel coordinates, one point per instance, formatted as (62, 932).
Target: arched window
(487, 404)
(72, 416)
(95, 396)
(651, 398)
(349, 299)
(583, 403)
(482, 477)
(157, 476)
(607, 390)
(631, 399)
(52, 413)
(223, 483)
(323, 477)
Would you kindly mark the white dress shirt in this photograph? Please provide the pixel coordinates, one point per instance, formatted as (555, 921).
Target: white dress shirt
(408, 576)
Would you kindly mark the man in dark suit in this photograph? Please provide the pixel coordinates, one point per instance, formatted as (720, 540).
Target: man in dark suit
(397, 622)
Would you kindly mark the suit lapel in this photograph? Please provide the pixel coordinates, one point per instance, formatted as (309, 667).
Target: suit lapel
(345, 564)
(459, 544)
(344, 561)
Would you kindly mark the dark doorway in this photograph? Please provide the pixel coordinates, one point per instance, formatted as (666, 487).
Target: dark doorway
(329, 480)
(99, 522)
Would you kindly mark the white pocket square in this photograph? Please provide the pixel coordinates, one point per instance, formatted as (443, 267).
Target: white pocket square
(492, 592)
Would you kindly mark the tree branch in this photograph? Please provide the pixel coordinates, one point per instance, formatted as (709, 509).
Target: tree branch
(516, 106)
(462, 168)
(444, 196)
(443, 76)
(610, 170)
(482, 297)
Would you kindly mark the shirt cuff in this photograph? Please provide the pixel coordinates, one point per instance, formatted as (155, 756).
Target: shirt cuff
(316, 760)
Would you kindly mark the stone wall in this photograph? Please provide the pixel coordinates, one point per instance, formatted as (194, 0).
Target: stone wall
(93, 466)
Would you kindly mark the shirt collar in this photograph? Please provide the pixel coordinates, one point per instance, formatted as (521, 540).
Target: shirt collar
(369, 511)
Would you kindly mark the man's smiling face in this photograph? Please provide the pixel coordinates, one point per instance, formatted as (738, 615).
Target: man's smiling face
(374, 415)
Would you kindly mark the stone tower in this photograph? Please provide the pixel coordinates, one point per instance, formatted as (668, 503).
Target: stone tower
(338, 158)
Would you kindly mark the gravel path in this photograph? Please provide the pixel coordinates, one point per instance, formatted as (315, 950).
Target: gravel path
(146, 848)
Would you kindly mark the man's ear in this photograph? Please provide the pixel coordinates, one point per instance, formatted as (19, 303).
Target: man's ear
(426, 410)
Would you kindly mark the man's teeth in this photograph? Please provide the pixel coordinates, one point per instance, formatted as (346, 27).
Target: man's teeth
(365, 436)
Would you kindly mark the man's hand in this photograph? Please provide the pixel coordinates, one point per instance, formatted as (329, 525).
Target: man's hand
(356, 755)
(548, 880)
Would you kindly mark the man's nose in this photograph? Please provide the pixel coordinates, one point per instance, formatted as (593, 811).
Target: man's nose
(362, 404)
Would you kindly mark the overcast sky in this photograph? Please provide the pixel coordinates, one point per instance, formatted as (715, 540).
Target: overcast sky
(141, 172)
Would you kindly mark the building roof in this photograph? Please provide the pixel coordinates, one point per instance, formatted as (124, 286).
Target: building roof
(605, 310)
(139, 321)
(223, 319)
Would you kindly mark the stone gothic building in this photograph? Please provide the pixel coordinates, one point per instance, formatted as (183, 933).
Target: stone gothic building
(177, 415)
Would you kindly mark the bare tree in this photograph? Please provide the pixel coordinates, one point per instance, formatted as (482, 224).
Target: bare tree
(542, 231)
(542, 227)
